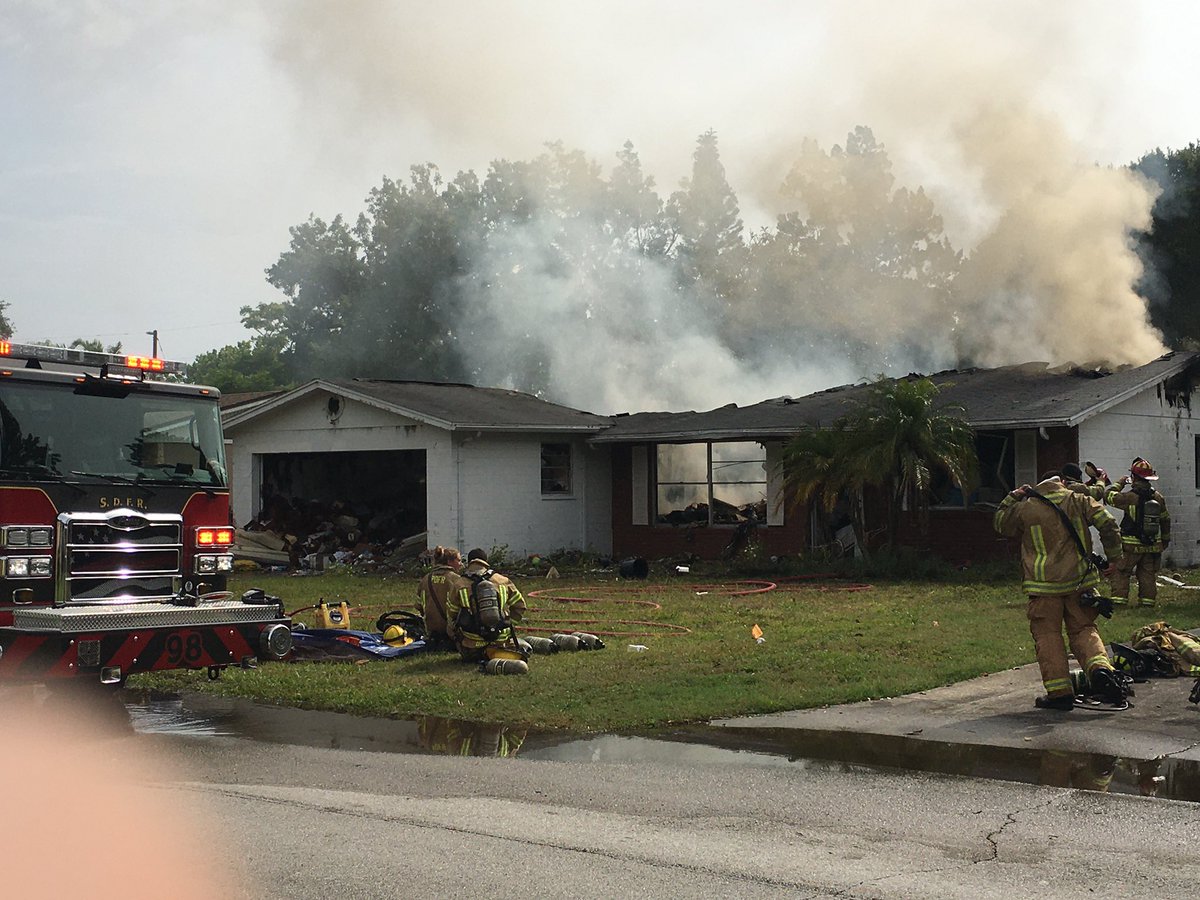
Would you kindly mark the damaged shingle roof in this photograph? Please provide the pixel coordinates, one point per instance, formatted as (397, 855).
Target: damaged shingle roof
(446, 405)
(1030, 395)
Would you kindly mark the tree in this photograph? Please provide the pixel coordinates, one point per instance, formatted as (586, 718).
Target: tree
(322, 275)
(95, 345)
(254, 365)
(92, 345)
(858, 265)
(1171, 251)
(903, 437)
(636, 211)
(6, 328)
(893, 439)
(819, 470)
(706, 214)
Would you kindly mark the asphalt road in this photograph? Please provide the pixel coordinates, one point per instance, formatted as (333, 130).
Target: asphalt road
(300, 821)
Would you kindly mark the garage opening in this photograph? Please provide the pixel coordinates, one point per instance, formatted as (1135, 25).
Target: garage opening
(363, 499)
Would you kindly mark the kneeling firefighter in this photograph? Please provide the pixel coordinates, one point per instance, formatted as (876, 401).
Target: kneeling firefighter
(1060, 579)
(481, 614)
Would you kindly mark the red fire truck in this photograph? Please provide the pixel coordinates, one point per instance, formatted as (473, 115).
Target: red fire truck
(115, 535)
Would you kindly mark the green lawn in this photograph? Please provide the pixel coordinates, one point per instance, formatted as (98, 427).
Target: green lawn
(823, 645)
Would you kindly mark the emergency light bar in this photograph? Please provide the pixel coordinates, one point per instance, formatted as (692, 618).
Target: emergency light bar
(75, 356)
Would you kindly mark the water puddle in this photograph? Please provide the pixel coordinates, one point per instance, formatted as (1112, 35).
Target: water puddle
(211, 716)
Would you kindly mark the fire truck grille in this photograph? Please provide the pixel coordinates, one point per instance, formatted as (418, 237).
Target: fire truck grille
(118, 555)
(79, 620)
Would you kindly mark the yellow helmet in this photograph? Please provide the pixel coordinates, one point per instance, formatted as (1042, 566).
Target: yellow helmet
(396, 636)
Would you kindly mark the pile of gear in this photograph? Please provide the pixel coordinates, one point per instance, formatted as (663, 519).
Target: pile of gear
(1159, 651)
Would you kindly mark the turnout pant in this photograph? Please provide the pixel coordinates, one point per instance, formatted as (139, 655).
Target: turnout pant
(1143, 565)
(1047, 617)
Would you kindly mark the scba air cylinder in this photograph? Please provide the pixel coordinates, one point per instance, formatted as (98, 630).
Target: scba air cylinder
(539, 644)
(506, 667)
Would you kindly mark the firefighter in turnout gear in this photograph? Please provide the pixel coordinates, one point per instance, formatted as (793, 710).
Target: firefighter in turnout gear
(441, 581)
(482, 612)
(1051, 521)
(1145, 532)
(1072, 477)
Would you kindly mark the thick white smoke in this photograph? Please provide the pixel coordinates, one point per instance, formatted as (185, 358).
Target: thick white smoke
(953, 96)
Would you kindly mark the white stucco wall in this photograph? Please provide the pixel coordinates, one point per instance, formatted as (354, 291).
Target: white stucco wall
(1148, 426)
(482, 489)
(499, 481)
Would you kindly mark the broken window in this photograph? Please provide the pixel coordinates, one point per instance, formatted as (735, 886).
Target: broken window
(556, 468)
(711, 483)
(997, 471)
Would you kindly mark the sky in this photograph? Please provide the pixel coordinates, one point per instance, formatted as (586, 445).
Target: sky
(155, 155)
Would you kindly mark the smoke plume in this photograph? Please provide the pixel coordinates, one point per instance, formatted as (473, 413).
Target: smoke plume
(1047, 267)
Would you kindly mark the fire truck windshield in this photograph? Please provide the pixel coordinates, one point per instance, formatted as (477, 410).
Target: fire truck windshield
(50, 431)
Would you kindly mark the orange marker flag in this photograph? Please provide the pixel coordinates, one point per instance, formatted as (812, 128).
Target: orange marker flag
(756, 632)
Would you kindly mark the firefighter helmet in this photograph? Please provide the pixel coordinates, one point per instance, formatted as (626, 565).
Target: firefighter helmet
(1141, 468)
(1072, 472)
(396, 636)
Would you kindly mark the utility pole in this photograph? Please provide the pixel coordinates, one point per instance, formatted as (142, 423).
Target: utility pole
(154, 334)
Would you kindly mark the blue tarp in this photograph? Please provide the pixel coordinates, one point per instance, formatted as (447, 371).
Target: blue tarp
(341, 643)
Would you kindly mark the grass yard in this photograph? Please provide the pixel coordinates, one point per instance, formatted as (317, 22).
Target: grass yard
(823, 645)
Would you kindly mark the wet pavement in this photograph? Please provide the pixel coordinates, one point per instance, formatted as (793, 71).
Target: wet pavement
(983, 728)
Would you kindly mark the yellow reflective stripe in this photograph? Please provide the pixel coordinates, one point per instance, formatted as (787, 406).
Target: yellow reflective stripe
(1039, 548)
(1058, 685)
(1098, 661)
(1030, 586)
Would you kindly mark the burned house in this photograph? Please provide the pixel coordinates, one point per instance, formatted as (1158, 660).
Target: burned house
(379, 463)
(461, 465)
(679, 479)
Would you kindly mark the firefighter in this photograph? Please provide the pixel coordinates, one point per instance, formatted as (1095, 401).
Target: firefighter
(1072, 476)
(432, 593)
(484, 630)
(1052, 523)
(1145, 532)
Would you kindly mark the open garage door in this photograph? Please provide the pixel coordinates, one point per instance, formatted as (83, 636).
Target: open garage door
(350, 501)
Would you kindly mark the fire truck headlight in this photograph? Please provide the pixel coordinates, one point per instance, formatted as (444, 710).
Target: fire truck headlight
(206, 565)
(225, 563)
(26, 536)
(26, 567)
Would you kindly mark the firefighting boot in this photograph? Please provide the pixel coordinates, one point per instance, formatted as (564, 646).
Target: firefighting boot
(1058, 701)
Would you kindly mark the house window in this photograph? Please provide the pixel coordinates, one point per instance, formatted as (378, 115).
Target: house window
(556, 469)
(997, 452)
(710, 483)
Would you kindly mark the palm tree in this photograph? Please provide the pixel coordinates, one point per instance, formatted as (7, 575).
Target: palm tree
(894, 439)
(820, 468)
(904, 438)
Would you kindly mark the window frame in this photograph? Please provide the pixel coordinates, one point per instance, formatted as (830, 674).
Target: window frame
(567, 469)
(712, 486)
